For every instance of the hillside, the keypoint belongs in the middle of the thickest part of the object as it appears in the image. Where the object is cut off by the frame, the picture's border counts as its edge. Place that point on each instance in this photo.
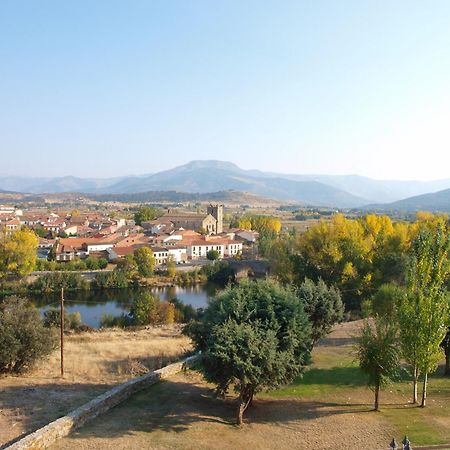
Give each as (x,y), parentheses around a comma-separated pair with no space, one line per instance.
(434,202)
(230,197)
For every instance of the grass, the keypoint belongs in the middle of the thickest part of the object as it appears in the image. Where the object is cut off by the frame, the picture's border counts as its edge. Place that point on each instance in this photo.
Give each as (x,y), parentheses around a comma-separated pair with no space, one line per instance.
(93,362)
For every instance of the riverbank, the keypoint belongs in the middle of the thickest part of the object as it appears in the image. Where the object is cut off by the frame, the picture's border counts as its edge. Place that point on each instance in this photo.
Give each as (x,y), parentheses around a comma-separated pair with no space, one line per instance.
(185,278)
(94,361)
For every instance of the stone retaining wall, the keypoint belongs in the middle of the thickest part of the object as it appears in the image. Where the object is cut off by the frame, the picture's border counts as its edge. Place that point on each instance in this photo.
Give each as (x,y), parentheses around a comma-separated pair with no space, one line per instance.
(46,436)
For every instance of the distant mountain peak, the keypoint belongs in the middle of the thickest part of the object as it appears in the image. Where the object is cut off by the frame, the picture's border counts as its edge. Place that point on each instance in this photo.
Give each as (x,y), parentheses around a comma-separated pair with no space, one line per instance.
(209,164)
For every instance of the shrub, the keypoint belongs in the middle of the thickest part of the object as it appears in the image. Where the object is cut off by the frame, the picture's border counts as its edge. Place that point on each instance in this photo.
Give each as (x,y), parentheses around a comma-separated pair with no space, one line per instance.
(72,321)
(219,272)
(109,321)
(212,255)
(23,337)
(184,313)
(110,280)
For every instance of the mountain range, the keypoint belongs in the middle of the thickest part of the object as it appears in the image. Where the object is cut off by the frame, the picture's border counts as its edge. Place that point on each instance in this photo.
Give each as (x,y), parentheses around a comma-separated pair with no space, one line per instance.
(342,191)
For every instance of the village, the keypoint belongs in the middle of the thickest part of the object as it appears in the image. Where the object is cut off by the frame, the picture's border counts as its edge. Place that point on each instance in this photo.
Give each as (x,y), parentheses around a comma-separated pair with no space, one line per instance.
(185,238)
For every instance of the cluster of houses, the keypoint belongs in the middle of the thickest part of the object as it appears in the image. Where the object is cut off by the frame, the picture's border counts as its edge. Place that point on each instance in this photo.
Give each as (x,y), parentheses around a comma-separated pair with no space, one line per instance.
(10,219)
(180,237)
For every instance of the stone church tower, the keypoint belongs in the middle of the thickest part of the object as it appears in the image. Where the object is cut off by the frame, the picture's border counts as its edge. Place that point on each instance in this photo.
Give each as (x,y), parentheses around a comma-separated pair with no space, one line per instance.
(217,212)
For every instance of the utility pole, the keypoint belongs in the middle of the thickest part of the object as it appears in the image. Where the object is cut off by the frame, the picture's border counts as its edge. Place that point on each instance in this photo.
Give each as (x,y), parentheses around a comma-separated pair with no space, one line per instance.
(62,331)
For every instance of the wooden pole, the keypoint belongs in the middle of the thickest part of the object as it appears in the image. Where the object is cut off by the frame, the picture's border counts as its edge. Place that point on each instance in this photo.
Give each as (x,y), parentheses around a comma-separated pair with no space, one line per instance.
(62,331)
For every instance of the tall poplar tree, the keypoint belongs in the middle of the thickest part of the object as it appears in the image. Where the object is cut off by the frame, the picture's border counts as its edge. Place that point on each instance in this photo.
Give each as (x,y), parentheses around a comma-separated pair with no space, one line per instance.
(424,309)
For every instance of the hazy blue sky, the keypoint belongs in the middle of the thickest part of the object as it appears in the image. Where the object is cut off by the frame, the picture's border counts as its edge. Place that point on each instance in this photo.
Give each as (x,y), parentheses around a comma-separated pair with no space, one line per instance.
(105,88)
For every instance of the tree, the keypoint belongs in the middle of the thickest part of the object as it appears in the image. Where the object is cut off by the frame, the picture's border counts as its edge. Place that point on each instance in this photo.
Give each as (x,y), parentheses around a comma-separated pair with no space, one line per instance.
(145,213)
(323,305)
(212,255)
(145,261)
(355,255)
(171,266)
(23,337)
(378,353)
(424,309)
(386,300)
(253,336)
(18,253)
(166,313)
(128,266)
(445,345)
(145,309)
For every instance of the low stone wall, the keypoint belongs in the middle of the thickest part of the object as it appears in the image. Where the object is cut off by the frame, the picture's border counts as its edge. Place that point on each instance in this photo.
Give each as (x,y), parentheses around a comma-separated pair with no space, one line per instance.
(61,427)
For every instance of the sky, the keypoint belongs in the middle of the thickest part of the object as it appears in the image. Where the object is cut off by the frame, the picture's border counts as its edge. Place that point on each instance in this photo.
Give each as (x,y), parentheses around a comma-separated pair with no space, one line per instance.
(110,88)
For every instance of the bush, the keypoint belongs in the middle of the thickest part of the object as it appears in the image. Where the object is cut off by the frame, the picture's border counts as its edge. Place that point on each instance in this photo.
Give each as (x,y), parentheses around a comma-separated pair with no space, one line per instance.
(110,280)
(109,321)
(212,255)
(192,277)
(72,321)
(23,337)
(150,310)
(184,313)
(219,272)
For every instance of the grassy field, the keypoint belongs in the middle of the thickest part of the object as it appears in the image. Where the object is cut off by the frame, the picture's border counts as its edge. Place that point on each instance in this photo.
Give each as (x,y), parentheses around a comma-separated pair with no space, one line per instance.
(330,407)
(94,361)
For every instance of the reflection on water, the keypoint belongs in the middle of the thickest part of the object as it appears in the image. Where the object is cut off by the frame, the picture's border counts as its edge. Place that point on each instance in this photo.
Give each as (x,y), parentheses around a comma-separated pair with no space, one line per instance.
(93,304)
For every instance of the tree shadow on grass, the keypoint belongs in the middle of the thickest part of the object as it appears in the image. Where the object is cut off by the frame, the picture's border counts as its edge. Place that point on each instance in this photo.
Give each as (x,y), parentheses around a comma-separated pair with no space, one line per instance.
(177,405)
(336,342)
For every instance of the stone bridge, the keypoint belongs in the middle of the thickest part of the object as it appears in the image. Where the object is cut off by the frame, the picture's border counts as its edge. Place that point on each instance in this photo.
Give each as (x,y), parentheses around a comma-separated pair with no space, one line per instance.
(250,268)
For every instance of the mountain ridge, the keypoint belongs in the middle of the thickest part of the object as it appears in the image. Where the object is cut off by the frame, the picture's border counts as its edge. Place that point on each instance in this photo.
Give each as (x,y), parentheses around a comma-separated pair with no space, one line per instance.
(203,176)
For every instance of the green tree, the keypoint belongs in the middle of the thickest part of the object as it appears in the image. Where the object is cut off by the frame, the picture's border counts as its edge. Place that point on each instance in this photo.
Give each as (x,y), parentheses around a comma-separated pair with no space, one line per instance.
(323,305)
(424,309)
(386,300)
(23,337)
(253,336)
(40,231)
(379,355)
(145,261)
(145,213)
(212,255)
(445,345)
(145,309)
(18,254)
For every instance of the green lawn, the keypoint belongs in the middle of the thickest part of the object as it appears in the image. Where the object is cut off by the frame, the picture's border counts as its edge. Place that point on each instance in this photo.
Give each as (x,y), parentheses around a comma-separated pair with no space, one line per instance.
(336,374)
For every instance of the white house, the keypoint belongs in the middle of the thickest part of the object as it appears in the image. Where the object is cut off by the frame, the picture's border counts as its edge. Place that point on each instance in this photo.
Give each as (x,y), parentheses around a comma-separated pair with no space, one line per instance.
(225,247)
(179,254)
(161,254)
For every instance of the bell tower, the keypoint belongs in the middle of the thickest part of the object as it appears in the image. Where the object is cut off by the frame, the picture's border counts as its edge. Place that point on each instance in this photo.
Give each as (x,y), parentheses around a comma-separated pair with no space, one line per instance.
(217,212)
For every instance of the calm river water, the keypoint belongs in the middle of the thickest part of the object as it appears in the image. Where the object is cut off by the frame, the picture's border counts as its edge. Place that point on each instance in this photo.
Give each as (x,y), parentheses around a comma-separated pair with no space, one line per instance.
(93,304)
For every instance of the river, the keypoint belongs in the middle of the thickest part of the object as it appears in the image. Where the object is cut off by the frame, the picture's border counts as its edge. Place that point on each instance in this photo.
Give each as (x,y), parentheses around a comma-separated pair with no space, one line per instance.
(92,305)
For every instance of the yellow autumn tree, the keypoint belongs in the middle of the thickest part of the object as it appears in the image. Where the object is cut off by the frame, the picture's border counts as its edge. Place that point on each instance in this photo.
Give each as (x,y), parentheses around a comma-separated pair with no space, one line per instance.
(18,253)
